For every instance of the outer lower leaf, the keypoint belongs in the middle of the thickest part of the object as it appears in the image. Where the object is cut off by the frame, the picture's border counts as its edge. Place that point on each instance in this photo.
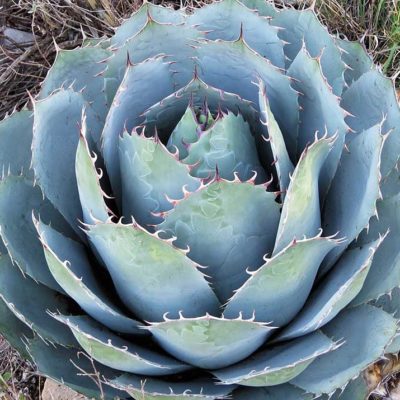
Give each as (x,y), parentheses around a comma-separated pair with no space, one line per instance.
(18,199)
(366,330)
(15,143)
(272,132)
(270,291)
(88,180)
(229,146)
(55,139)
(223,237)
(358,178)
(150,275)
(384,275)
(210,342)
(29,301)
(370,99)
(357,389)
(131,100)
(71,268)
(229,19)
(13,330)
(278,364)
(279,392)
(320,113)
(81,68)
(261,7)
(301,208)
(356,58)
(115,352)
(242,66)
(391,304)
(154,389)
(334,292)
(139,19)
(150,175)
(71,367)
(302,28)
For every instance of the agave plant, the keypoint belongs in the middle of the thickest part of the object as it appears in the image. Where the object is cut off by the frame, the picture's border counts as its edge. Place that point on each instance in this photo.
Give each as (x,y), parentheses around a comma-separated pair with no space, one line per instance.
(205,206)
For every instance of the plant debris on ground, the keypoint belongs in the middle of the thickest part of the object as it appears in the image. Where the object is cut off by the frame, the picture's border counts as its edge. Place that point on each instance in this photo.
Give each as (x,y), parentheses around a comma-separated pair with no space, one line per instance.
(30,30)
(18,379)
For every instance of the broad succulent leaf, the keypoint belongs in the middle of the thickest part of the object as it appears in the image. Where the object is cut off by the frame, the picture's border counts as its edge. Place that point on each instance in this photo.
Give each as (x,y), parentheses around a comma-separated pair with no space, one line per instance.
(16,140)
(128,250)
(205,205)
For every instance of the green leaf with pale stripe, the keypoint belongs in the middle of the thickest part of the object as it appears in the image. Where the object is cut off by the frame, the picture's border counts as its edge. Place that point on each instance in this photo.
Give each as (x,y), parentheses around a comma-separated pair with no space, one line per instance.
(90,192)
(276,141)
(277,364)
(270,291)
(155,389)
(114,352)
(71,268)
(334,292)
(301,208)
(210,342)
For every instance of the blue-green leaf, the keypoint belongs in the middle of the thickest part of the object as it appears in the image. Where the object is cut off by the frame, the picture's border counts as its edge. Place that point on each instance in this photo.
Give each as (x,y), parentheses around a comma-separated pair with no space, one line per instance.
(210,342)
(131,100)
(270,291)
(229,146)
(18,199)
(154,389)
(71,367)
(81,68)
(272,133)
(114,352)
(370,99)
(302,28)
(135,23)
(334,292)
(365,330)
(150,275)
(221,236)
(358,178)
(70,266)
(356,58)
(15,143)
(30,301)
(385,269)
(150,175)
(241,67)
(55,139)
(90,192)
(162,117)
(229,19)
(301,208)
(277,364)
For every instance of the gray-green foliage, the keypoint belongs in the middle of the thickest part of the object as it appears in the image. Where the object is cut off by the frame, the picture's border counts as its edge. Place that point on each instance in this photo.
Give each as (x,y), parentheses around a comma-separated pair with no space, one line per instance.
(206,205)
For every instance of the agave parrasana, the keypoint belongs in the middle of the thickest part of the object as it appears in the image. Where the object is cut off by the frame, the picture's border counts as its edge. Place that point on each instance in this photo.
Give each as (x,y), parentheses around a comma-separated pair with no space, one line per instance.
(245,151)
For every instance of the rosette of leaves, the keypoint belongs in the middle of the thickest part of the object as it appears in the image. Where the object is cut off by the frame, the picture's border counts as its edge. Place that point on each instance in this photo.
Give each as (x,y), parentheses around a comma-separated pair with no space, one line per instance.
(205,206)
